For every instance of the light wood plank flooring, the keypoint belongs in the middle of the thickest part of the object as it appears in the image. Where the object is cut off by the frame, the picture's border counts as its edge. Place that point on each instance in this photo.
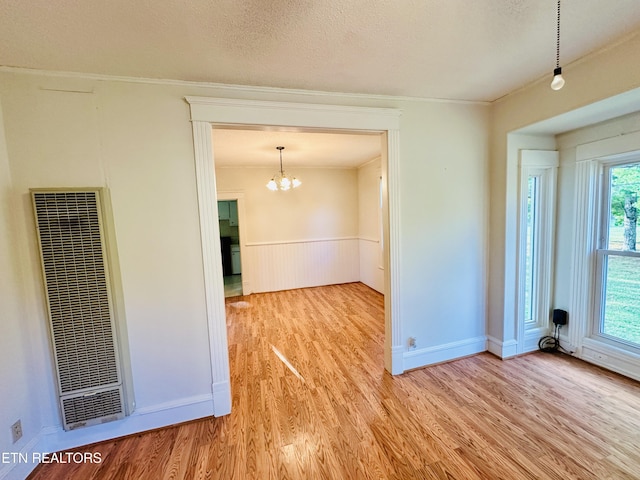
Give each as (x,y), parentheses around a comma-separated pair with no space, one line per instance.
(311,400)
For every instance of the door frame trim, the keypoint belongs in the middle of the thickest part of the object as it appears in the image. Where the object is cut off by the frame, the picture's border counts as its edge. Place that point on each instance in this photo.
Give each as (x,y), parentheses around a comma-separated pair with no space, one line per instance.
(206,113)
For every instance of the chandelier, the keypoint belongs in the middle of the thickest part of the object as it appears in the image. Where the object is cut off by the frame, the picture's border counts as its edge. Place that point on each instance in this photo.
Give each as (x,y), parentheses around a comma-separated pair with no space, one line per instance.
(282,181)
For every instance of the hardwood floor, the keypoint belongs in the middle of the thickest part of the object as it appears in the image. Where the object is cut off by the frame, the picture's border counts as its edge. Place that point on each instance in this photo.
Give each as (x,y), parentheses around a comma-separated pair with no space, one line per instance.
(311,400)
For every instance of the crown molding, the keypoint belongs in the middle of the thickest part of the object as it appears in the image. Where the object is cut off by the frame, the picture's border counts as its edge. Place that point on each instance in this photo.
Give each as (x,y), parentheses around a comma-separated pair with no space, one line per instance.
(232,87)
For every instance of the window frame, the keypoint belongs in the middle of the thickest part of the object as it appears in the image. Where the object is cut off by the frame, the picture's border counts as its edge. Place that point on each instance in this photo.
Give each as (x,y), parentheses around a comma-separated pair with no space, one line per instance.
(543,166)
(603,252)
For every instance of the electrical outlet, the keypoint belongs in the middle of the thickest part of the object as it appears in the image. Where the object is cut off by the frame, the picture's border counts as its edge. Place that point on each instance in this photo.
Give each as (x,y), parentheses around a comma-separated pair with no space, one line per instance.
(412,343)
(16,431)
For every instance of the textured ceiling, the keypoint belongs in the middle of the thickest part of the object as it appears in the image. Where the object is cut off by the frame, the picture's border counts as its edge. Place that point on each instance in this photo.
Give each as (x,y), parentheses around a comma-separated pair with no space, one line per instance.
(454,49)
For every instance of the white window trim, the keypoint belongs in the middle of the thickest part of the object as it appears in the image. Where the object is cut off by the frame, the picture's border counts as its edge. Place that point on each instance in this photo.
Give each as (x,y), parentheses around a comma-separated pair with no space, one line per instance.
(601,251)
(587,201)
(544,166)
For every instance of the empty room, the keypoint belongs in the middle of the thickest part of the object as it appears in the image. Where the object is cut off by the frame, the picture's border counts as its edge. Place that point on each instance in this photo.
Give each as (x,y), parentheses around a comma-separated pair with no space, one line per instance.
(319,239)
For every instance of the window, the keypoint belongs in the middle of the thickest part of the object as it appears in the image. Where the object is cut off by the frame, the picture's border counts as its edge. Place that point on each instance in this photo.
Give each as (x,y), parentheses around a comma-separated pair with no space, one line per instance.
(617,313)
(538,171)
(532,233)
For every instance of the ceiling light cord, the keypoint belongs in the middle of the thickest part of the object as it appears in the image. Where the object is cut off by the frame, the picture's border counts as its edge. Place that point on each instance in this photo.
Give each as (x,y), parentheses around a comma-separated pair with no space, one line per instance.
(558,82)
(558,38)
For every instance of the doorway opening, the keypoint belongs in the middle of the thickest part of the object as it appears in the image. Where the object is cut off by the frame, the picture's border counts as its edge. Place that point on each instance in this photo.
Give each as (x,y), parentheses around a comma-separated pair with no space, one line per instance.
(327,231)
(208,112)
(230,247)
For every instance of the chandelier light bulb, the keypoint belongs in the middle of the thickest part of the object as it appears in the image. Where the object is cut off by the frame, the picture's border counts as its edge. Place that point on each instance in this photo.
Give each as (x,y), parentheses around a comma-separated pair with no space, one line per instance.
(272,185)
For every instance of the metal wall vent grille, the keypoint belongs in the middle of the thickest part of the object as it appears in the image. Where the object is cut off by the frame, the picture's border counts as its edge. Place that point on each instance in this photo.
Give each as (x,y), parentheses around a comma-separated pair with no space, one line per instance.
(77,290)
(84,408)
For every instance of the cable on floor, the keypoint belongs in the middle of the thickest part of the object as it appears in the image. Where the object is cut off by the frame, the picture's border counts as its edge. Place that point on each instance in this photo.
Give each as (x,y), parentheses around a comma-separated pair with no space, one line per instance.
(551,344)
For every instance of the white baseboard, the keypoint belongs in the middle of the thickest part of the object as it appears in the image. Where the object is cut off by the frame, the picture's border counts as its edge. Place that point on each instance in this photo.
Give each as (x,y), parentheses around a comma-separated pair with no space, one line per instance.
(54,438)
(221,398)
(246,286)
(610,357)
(443,353)
(397,360)
(502,349)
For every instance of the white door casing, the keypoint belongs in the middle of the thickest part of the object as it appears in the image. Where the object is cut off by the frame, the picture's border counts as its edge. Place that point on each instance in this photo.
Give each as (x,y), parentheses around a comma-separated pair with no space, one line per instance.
(206,112)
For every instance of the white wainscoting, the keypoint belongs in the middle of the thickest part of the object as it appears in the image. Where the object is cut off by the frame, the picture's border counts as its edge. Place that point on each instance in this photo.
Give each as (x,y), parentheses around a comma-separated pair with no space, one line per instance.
(305,263)
(371,272)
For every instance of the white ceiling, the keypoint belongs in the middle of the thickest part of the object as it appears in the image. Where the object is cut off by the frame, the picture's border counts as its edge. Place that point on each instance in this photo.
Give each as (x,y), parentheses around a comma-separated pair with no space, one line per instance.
(477,50)
(454,49)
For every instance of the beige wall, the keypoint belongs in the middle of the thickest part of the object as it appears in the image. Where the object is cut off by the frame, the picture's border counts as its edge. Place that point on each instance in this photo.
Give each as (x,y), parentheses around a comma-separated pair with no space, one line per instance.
(369,199)
(592,79)
(311,228)
(369,225)
(325,206)
(333,203)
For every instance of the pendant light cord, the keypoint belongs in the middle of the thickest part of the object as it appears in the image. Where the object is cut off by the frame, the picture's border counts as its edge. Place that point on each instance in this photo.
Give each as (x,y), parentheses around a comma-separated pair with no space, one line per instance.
(281,148)
(558,39)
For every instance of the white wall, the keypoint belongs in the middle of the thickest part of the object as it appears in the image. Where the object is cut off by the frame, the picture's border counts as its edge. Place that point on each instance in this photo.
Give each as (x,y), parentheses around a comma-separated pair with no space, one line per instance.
(137,142)
(135,138)
(19,360)
(369,224)
(444,214)
(299,238)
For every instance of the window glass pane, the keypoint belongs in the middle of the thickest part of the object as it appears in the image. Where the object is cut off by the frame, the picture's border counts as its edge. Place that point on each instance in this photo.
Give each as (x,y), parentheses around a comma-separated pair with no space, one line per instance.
(529,294)
(621,317)
(623,211)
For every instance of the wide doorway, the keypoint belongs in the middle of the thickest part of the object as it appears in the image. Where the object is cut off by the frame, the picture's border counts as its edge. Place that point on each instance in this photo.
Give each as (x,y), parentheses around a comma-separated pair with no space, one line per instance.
(207,112)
